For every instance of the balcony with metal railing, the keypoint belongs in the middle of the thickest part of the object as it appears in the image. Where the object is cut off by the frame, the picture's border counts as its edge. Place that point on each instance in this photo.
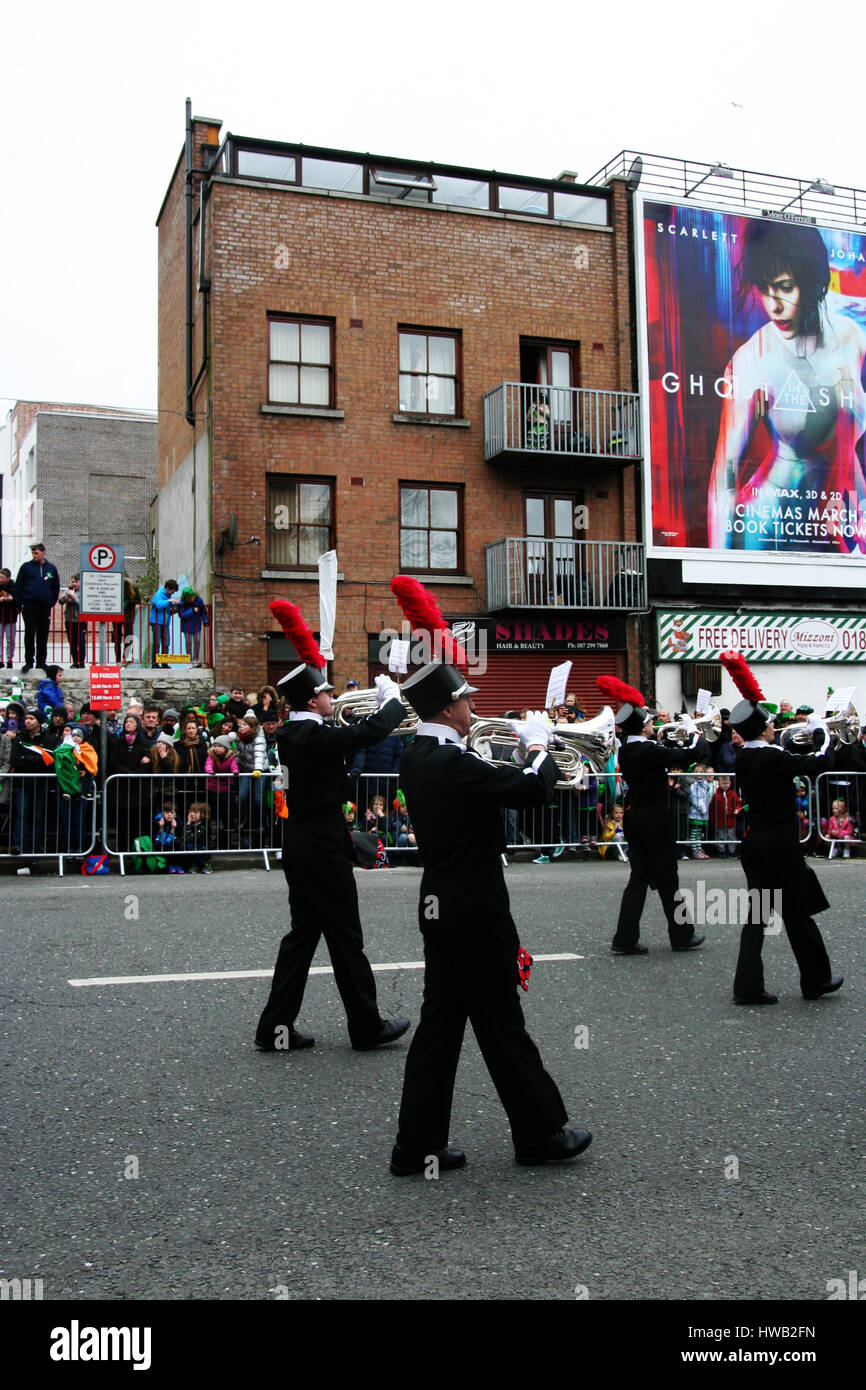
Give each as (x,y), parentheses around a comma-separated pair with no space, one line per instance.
(537,572)
(568,421)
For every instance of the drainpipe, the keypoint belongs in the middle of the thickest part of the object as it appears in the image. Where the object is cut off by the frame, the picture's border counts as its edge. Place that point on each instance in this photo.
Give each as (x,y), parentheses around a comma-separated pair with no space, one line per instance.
(188,168)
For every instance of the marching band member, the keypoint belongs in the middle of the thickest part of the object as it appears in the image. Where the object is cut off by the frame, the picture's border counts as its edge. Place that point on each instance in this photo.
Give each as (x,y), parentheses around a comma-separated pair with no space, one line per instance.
(652,848)
(472,951)
(772,856)
(316,851)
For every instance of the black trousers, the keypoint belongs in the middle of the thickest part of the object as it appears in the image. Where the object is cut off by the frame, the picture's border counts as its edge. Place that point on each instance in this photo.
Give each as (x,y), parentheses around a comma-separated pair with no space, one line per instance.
(77,634)
(37,621)
(471,976)
(765,867)
(324,902)
(653,864)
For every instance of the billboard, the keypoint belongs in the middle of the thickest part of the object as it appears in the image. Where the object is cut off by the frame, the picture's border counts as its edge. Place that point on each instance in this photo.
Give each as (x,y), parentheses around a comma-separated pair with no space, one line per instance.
(755,366)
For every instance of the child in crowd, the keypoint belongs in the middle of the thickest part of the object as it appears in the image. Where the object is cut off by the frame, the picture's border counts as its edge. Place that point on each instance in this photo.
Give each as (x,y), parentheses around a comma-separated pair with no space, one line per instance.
(222,768)
(614,833)
(377,818)
(725,807)
(199,834)
(678,799)
(841,828)
(167,836)
(801,806)
(48,692)
(700,797)
(401,831)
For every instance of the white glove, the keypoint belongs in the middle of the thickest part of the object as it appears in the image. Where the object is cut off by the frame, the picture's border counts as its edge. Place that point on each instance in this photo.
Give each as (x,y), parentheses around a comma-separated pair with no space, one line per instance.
(688,723)
(386,690)
(814,725)
(536,728)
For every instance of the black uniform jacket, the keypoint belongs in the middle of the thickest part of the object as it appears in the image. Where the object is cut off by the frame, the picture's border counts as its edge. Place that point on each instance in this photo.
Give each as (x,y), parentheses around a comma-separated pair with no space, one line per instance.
(314,754)
(765,777)
(644,765)
(454,799)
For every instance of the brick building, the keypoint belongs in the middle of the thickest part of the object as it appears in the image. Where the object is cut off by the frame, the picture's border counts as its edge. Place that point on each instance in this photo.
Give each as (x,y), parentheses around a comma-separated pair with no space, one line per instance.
(93,468)
(429,369)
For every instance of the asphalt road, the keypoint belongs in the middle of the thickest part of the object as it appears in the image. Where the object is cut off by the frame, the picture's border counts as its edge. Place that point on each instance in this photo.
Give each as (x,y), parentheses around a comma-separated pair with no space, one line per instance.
(150,1153)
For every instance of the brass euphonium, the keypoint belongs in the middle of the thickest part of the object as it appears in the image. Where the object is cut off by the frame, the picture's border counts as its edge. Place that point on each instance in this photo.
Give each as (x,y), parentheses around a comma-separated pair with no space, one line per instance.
(593,740)
(677,735)
(842,728)
(364,702)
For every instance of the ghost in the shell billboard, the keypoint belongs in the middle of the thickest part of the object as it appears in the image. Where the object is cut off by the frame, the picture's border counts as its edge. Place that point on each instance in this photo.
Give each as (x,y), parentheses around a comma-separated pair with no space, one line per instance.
(756,365)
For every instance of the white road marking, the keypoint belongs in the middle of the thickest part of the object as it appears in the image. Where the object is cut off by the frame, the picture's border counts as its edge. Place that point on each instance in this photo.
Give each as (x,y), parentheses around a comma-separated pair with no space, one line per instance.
(264,974)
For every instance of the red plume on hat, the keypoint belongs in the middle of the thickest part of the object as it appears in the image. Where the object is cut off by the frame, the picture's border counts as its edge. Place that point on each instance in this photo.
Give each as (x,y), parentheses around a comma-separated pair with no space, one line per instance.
(618,692)
(423,612)
(291,620)
(738,669)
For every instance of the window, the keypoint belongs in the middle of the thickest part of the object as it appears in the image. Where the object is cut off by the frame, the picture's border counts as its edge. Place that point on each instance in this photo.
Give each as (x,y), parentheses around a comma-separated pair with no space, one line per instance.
(431,528)
(300,521)
(556,567)
(301,364)
(461,193)
(429,372)
(330,173)
(258,164)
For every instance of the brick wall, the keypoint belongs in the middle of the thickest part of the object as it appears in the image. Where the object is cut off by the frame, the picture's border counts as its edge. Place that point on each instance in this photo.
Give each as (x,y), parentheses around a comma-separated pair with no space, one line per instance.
(96,477)
(493,280)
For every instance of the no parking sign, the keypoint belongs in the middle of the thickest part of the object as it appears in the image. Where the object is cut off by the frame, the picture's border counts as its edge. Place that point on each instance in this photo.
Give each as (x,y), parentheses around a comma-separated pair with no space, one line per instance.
(101,570)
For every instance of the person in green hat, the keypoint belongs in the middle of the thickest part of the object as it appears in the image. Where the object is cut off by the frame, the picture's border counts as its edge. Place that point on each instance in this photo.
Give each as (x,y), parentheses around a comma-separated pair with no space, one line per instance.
(193,617)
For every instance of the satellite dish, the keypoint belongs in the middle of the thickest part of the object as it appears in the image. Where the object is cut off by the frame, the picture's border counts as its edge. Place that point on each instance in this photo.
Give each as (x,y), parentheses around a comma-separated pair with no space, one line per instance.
(228,535)
(633,176)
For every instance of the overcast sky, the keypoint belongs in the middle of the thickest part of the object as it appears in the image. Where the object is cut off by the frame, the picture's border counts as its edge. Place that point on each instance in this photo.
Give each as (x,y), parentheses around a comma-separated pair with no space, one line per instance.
(92,103)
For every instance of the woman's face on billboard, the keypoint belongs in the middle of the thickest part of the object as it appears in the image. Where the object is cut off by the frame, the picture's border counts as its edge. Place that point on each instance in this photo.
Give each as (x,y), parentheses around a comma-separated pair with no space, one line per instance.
(781,301)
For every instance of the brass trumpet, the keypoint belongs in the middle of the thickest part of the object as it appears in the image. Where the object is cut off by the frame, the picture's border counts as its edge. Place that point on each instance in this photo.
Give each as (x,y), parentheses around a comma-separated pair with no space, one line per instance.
(364,702)
(593,740)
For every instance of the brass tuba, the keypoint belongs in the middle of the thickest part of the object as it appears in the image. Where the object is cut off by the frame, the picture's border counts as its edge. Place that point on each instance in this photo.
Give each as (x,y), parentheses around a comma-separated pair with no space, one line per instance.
(364,702)
(570,744)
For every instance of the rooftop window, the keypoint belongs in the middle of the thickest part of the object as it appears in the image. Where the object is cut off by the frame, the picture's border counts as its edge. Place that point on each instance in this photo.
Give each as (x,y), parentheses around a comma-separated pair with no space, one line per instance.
(450,186)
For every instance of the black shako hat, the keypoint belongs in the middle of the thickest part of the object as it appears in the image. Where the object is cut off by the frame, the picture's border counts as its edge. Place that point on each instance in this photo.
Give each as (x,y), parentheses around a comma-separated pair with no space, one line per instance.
(434,688)
(303,684)
(631,719)
(749,719)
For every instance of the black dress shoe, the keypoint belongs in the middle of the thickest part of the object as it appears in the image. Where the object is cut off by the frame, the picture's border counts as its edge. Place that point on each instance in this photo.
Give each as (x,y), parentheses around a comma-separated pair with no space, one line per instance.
(568,1143)
(391,1030)
(697,940)
(834,983)
(762,998)
(296,1041)
(404,1162)
(629,950)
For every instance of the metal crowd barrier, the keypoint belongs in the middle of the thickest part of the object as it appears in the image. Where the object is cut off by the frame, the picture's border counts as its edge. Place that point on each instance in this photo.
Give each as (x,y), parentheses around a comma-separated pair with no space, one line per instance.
(849,788)
(364,789)
(580,820)
(137,642)
(185,823)
(38,822)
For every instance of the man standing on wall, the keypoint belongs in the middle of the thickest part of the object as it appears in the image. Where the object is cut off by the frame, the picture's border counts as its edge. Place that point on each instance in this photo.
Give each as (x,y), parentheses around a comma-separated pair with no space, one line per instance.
(37,588)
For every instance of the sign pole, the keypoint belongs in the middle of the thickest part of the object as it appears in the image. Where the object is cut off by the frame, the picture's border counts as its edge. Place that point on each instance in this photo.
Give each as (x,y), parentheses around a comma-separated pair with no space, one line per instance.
(103,718)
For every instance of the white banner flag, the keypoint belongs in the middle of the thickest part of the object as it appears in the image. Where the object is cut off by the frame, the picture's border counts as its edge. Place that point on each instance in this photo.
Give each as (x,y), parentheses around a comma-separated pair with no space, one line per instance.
(327,602)
(398,656)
